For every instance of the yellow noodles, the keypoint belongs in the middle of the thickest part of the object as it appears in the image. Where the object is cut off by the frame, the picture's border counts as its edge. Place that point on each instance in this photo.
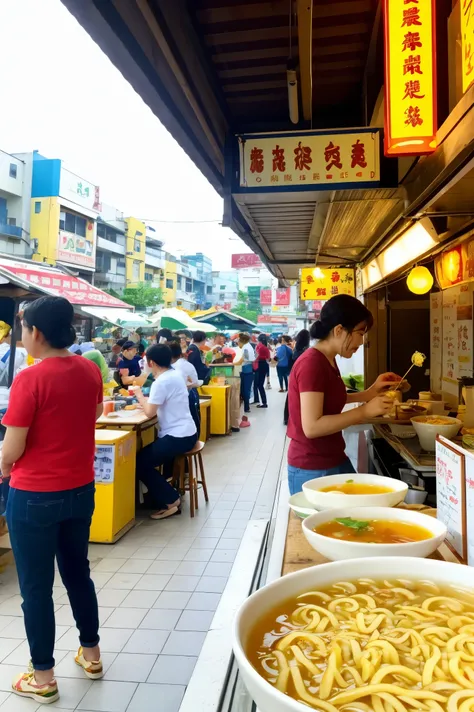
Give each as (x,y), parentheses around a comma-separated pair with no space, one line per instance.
(368,646)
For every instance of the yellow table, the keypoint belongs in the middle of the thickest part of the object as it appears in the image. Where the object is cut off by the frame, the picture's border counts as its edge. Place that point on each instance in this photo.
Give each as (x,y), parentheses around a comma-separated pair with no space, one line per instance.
(114,468)
(204,409)
(135,420)
(220,410)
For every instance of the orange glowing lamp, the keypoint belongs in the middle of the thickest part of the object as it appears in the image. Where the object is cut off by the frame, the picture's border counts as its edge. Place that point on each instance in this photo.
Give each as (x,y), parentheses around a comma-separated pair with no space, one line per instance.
(410,77)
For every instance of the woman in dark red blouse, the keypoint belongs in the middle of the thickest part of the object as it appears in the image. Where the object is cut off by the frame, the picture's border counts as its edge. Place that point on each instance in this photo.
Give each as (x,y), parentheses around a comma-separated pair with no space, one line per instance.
(263,370)
(317,394)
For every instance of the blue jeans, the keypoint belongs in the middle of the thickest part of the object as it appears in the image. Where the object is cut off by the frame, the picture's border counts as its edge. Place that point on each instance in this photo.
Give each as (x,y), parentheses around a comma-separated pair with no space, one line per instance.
(297,477)
(283,373)
(44,526)
(162,451)
(246,382)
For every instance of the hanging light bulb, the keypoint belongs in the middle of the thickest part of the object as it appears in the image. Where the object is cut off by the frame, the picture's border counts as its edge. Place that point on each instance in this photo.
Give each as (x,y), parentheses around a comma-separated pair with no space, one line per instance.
(420,280)
(318,273)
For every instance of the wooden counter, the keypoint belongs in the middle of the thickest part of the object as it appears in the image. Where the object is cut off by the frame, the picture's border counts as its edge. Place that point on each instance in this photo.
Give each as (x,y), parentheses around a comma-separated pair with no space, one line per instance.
(136,420)
(130,417)
(300,555)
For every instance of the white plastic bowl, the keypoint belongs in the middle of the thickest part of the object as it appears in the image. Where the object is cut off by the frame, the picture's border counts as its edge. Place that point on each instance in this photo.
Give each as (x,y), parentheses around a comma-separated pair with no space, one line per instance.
(300,505)
(331,500)
(427,432)
(337,549)
(266,696)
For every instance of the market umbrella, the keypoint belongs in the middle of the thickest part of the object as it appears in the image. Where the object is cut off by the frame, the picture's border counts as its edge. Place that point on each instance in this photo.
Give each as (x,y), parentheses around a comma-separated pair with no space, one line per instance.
(174,319)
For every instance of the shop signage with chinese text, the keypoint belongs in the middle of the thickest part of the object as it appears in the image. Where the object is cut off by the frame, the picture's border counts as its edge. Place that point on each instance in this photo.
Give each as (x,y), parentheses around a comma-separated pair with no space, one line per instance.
(79,191)
(266,297)
(467,43)
(410,77)
(76,250)
(282,297)
(455,265)
(335,281)
(311,160)
(246,260)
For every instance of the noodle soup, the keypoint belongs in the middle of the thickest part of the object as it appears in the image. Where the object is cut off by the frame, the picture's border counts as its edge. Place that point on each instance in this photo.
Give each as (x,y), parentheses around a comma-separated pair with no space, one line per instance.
(351,487)
(388,646)
(373,531)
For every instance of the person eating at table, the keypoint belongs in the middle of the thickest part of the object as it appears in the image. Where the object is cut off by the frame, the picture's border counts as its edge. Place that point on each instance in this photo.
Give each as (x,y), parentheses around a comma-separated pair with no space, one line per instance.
(177,430)
(128,365)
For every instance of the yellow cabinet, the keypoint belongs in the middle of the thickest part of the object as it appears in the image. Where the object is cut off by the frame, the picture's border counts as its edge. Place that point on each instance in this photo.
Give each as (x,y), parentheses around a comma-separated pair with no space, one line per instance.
(220,408)
(114,511)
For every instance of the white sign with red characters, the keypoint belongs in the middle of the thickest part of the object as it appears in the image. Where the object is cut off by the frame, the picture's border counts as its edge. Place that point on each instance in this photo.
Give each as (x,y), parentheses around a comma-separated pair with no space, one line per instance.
(294,161)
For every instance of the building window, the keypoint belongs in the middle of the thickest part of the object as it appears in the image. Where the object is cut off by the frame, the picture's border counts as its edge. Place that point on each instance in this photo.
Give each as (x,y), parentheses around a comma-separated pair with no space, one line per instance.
(37,206)
(178,281)
(136,271)
(169,284)
(12,221)
(148,277)
(81,225)
(72,223)
(13,170)
(189,285)
(137,246)
(222,287)
(209,290)
(221,297)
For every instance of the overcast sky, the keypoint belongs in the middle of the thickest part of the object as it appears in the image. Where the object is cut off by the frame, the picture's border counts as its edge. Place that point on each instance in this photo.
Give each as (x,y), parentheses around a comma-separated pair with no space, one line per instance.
(62,96)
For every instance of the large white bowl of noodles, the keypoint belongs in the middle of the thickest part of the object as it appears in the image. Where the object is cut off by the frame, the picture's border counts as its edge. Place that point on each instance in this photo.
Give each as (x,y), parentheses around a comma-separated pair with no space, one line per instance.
(337,549)
(443,639)
(330,500)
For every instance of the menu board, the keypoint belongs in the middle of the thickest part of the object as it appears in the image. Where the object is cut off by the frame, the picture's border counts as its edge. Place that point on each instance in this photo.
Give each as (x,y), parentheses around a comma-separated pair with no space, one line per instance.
(469,490)
(436,339)
(450,495)
(456,335)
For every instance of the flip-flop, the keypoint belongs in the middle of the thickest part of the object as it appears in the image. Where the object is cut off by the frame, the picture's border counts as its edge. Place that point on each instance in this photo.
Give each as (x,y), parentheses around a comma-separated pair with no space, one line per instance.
(166,513)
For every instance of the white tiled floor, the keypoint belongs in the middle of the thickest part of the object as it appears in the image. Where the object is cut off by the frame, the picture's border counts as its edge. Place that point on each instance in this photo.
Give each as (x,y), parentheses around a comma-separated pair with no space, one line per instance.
(158,587)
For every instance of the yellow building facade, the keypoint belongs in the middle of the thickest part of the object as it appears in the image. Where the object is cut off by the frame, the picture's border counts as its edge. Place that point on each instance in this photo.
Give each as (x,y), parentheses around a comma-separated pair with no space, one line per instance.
(135,236)
(168,283)
(44,227)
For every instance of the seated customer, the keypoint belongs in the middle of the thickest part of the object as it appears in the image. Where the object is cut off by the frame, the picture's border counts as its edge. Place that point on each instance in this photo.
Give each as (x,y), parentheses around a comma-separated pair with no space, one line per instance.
(181,365)
(177,431)
(128,365)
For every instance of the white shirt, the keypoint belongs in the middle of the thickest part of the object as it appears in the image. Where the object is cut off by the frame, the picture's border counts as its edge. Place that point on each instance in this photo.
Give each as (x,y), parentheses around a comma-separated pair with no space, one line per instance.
(21,355)
(248,354)
(186,369)
(169,392)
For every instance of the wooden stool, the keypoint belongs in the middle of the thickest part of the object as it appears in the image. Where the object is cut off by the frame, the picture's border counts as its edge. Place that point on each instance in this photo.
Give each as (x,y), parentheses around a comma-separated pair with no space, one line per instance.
(196,475)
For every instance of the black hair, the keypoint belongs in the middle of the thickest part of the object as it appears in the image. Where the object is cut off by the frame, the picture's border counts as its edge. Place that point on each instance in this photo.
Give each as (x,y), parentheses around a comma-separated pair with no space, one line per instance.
(175,349)
(286,338)
(199,337)
(164,334)
(302,340)
(344,310)
(184,332)
(263,339)
(52,316)
(129,345)
(159,354)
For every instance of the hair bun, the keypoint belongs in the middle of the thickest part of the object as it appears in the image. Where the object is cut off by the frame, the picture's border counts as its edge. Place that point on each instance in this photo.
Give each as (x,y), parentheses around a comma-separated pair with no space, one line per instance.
(318,330)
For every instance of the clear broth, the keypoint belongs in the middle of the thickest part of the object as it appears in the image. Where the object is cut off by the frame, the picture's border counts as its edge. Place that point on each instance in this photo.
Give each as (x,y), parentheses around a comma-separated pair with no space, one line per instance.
(379,531)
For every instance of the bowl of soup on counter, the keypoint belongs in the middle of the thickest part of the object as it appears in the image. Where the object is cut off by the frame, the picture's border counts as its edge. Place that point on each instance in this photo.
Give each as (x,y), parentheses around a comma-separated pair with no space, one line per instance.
(354,490)
(385,633)
(373,531)
(427,427)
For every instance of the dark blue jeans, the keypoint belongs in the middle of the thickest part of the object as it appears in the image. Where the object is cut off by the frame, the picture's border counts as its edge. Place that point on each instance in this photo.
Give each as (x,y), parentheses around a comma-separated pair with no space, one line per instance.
(283,372)
(246,382)
(162,451)
(44,526)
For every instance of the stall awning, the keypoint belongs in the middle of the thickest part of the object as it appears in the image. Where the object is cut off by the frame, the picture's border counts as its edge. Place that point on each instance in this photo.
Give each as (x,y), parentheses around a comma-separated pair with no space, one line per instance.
(118,317)
(50,280)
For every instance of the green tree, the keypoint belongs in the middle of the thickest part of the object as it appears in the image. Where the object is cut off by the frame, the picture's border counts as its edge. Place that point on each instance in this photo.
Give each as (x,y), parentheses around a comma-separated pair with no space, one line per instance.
(142,296)
(242,307)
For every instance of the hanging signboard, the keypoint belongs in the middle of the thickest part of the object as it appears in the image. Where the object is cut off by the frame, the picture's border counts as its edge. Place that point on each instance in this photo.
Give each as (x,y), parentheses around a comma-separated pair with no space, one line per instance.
(467,43)
(282,297)
(315,160)
(334,281)
(244,260)
(266,297)
(410,77)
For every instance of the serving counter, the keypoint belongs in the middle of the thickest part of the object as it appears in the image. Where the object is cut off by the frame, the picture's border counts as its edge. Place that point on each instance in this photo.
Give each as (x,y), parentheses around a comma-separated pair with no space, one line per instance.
(136,420)
(220,407)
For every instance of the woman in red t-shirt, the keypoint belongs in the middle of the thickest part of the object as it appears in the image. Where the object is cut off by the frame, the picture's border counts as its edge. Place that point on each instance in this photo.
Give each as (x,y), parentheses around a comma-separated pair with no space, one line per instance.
(317,394)
(48,453)
(262,370)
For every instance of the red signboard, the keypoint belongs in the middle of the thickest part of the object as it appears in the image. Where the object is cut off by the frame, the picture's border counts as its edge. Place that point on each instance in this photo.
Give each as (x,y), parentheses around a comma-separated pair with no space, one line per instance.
(410,77)
(246,260)
(266,297)
(266,319)
(58,284)
(282,297)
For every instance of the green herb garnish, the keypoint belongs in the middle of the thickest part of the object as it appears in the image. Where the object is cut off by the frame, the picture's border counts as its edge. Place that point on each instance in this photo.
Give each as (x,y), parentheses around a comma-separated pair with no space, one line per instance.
(353,523)
(349,482)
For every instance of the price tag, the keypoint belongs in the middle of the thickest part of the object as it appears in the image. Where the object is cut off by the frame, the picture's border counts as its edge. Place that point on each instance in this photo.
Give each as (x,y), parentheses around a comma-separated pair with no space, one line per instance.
(450,495)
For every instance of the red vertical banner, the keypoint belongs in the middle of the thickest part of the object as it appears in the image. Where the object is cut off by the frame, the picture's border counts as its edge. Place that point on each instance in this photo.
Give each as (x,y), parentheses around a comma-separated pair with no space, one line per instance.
(282,297)
(410,77)
(266,297)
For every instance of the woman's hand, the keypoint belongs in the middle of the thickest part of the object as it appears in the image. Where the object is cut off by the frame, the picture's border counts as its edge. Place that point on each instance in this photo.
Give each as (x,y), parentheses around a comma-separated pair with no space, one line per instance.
(384,383)
(378,406)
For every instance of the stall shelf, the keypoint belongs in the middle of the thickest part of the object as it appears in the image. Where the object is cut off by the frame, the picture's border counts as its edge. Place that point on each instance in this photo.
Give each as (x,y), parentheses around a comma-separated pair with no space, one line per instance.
(114,468)
(137,421)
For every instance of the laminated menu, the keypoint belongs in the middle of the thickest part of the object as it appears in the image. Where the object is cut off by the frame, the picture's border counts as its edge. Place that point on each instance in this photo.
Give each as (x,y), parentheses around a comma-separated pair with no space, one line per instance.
(450,495)
(469,489)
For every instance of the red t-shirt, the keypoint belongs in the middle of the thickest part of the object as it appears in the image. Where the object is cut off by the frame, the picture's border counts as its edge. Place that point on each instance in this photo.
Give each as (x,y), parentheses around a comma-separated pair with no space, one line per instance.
(56,399)
(263,352)
(312,372)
